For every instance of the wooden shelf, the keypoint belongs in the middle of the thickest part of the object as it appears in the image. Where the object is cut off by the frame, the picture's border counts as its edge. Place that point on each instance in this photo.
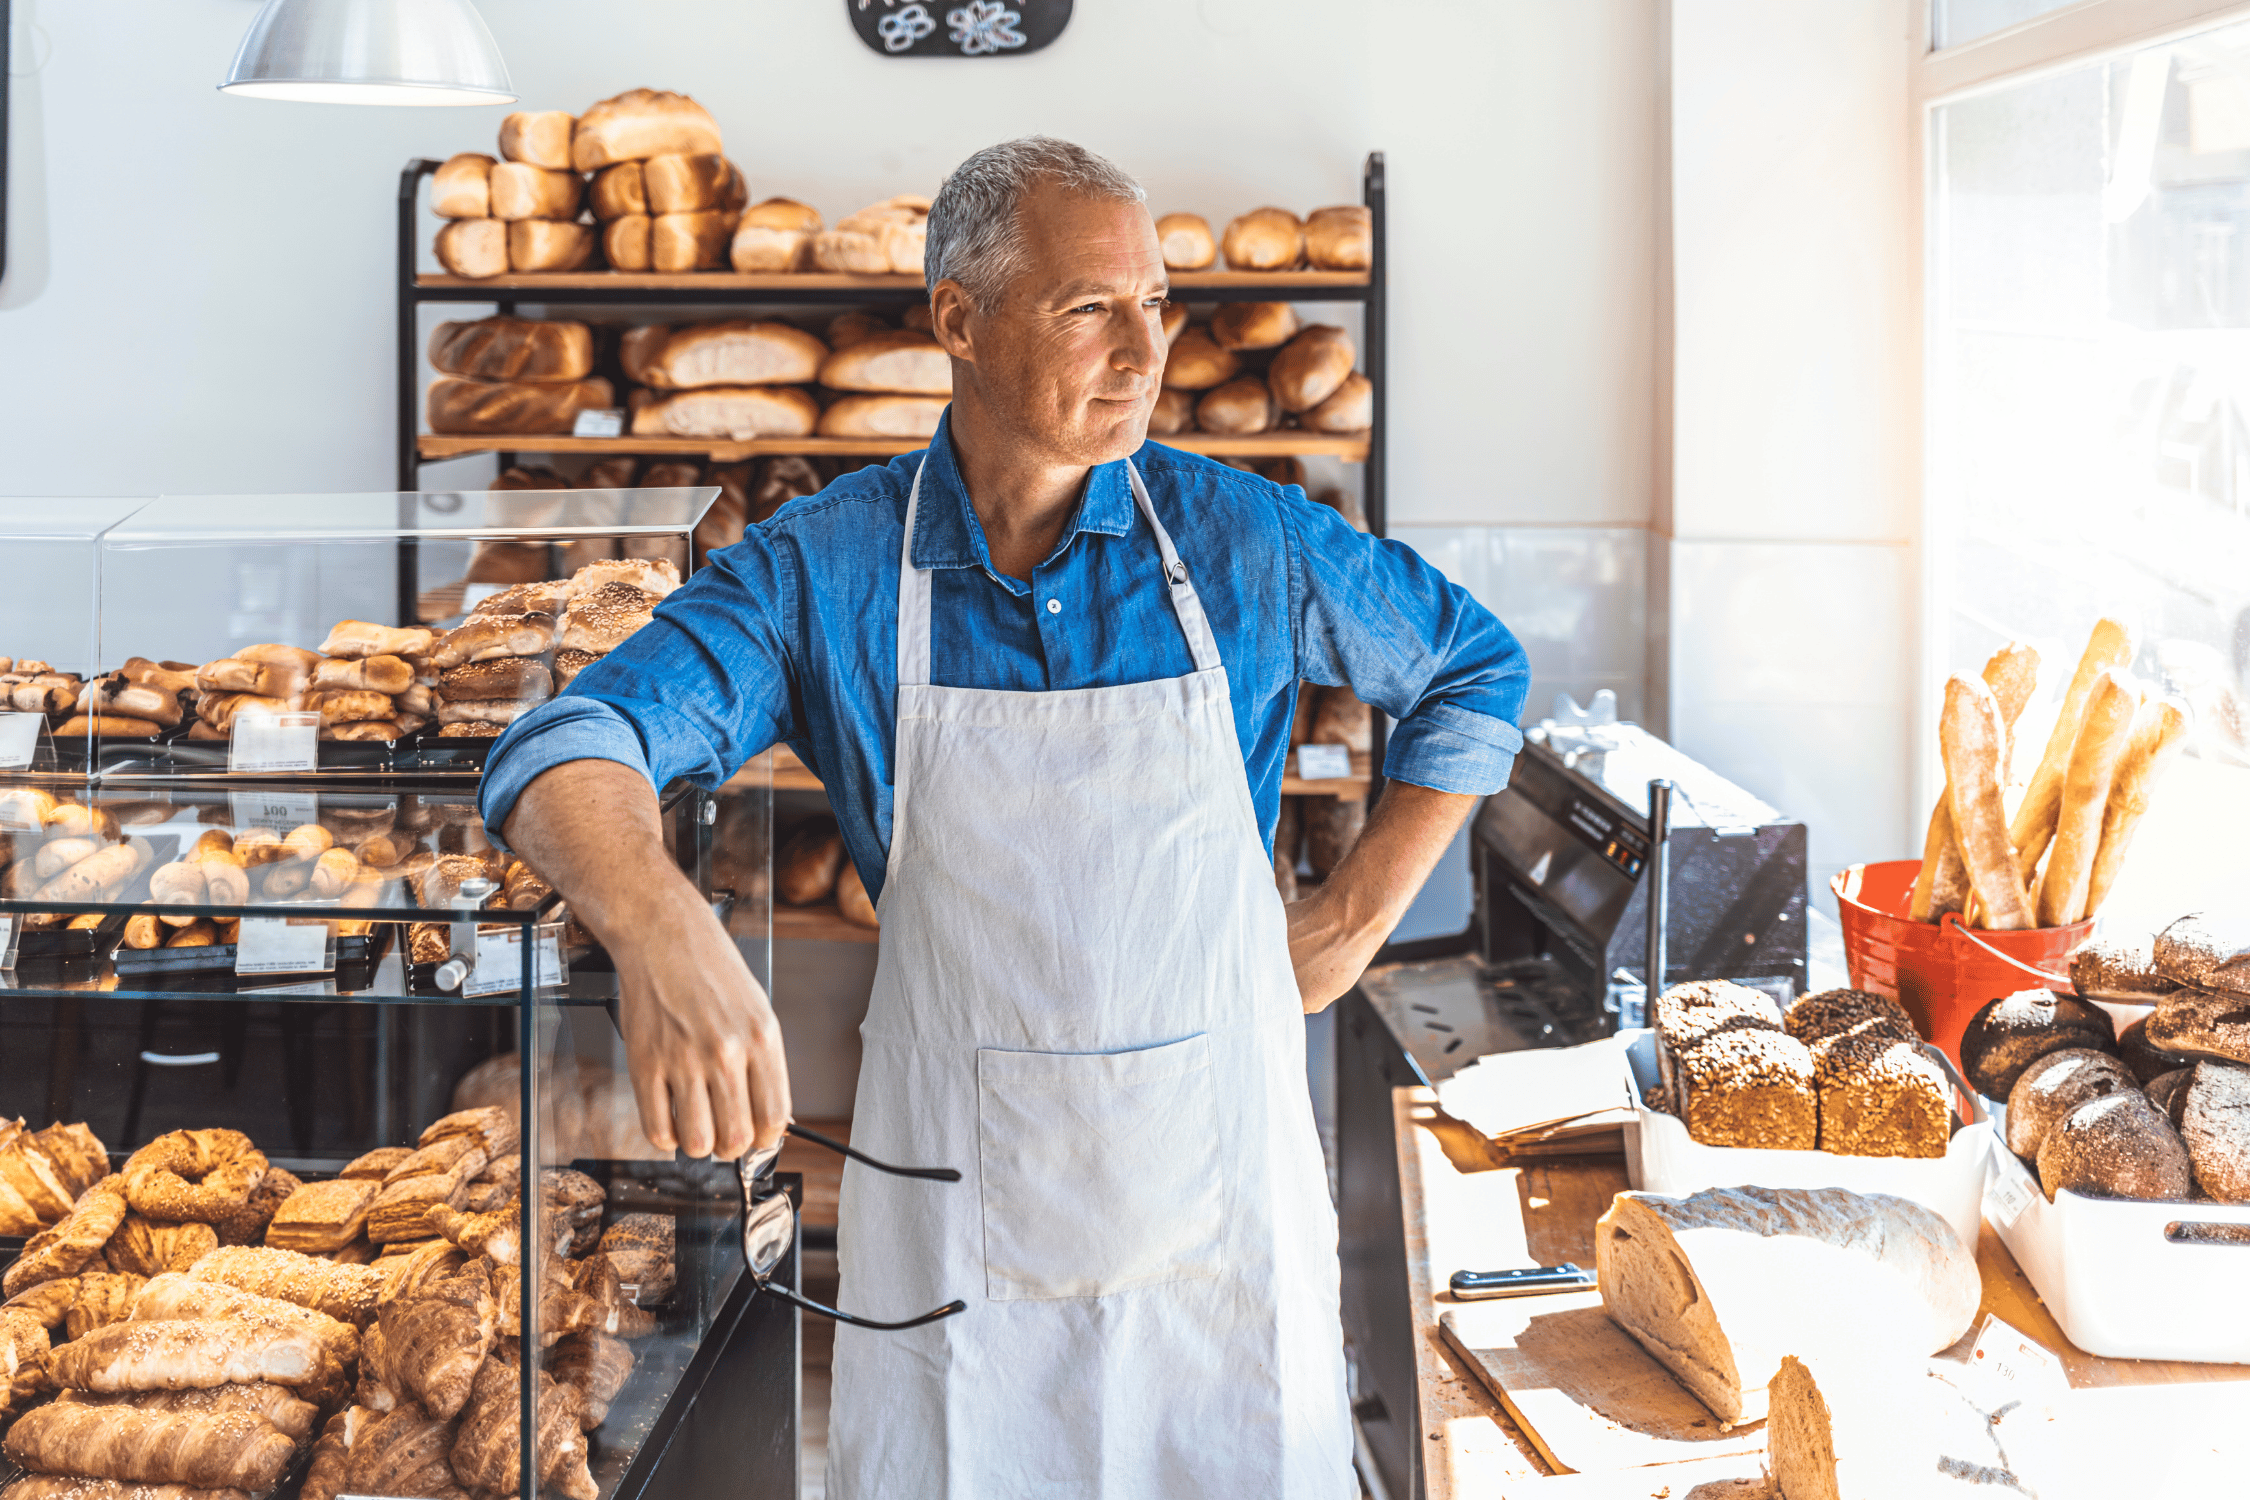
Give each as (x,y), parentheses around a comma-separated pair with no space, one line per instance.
(1351,448)
(792,775)
(1352,788)
(722,282)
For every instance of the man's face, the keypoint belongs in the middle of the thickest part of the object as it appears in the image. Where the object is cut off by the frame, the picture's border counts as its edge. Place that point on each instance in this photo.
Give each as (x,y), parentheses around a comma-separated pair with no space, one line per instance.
(1070,359)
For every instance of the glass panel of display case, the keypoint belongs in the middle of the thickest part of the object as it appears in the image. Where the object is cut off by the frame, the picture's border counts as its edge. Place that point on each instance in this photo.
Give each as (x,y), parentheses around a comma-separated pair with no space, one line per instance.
(50,577)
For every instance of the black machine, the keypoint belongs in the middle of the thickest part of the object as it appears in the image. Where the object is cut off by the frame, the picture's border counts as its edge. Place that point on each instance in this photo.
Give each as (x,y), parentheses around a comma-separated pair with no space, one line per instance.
(1563,872)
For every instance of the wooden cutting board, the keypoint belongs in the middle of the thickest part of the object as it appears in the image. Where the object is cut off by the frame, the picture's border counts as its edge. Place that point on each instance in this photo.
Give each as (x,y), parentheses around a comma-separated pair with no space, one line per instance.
(1590,1399)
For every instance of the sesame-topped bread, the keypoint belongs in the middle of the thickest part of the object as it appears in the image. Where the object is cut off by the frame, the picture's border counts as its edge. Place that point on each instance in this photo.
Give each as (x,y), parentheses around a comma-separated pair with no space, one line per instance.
(1880,1095)
(1813,1019)
(1748,1087)
(1686,1014)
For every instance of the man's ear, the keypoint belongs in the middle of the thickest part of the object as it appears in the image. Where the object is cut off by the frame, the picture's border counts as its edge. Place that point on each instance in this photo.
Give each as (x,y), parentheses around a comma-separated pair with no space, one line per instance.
(949,319)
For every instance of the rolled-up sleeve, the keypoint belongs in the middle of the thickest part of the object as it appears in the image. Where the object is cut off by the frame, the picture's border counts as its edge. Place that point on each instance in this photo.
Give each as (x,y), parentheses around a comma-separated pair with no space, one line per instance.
(695,693)
(1371,614)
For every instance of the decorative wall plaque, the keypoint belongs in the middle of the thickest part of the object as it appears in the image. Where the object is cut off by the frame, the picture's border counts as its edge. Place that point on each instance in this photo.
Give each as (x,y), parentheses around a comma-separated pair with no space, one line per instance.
(958,28)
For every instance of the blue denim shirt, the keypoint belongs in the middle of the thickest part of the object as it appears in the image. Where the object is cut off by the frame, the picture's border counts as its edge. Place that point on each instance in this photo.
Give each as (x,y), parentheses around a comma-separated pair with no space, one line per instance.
(791,635)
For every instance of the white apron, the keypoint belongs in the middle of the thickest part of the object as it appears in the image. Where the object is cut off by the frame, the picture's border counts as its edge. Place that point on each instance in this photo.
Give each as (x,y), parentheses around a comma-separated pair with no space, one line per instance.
(1084,1001)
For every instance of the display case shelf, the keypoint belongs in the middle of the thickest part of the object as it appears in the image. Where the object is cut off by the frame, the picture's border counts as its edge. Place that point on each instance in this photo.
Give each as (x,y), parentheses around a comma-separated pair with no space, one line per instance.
(1349,447)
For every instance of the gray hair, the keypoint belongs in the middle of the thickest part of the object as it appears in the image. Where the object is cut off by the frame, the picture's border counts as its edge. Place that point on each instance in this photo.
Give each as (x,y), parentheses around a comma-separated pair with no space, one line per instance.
(973,236)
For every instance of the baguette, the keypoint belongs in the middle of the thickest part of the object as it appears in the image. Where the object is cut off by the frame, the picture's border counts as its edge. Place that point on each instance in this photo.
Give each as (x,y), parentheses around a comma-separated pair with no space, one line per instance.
(2104,731)
(2012,672)
(1970,736)
(2110,645)
(2158,733)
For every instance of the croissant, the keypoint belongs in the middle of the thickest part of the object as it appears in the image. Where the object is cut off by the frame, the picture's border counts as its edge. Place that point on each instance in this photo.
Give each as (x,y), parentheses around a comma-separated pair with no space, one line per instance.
(495,1235)
(595,1278)
(104,1297)
(331,1455)
(247,1225)
(491,1124)
(436,1340)
(178,1296)
(405,1272)
(144,1247)
(403,1452)
(49,1302)
(562,1307)
(32,1174)
(229,1450)
(597,1365)
(644,1249)
(79,1487)
(65,1249)
(488,1454)
(77,1153)
(177,1353)
(374,1391)
(277,1404)
(345,1293)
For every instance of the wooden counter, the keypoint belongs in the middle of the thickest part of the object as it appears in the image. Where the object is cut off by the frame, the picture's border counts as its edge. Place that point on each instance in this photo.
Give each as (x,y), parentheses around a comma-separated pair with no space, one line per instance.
(1461,1210)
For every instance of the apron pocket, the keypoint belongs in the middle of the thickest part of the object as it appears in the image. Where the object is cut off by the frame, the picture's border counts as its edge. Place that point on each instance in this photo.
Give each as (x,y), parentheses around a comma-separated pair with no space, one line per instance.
(1100,1169)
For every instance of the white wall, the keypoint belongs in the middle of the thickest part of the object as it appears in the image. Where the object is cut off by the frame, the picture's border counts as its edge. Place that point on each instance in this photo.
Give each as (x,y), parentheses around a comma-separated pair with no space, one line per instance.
(198,290)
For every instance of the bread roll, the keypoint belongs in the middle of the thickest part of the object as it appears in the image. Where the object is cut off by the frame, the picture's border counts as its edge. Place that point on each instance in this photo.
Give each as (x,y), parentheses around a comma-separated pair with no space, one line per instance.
(538,138)
(600,621)
(806,865)
(481,711)
(1312,367)
(1186,242)
(372,674)
(1242,405)
(107,727)
(461,189)
(1340,238)
(618,191)
(883,417)
(628,242)
(1253,325)
(731,411)
(483,637)
(638,124)
(513,349)
(691,241)
(488,406)
(1350,409)
(2114,1145)
(2010,1034)
(686,184)
(758,248)
(360,638)
(783,213)
(474,248)
(523,192)
(852,903)
(1175,321)
(658,576)
(548,245)
(2054,1085)
(898,361)
(1265,239)
(1197,363)
(740,351)
(1174,413)
(885,237)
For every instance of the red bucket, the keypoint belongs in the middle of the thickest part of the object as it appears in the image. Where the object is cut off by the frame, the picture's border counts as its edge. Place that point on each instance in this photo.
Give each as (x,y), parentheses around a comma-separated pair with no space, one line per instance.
(1941,974)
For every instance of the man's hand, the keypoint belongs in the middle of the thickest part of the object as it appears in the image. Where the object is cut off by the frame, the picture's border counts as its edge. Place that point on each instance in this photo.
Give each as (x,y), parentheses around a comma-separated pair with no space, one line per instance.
(1337,929)
(700,1035)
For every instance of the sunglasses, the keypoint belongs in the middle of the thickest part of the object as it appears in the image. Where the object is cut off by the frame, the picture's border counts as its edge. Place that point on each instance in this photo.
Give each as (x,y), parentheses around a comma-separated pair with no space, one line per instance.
(769,1225)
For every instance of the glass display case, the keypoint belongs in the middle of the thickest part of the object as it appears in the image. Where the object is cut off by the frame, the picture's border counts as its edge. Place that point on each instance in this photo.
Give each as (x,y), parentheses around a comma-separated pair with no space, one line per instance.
(305,1034)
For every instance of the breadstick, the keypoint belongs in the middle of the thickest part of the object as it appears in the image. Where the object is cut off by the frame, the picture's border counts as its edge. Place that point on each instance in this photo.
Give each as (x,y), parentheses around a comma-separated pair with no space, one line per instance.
(2111,645)
(2103,732)
(1970,737)
(2158,732)
(2012,672)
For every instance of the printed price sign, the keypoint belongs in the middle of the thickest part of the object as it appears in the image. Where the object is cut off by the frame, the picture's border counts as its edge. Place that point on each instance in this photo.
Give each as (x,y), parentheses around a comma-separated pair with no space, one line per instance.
(499,967)
(599,422)
(274,742)
(19,739)
(1323,762)
(8,921)
(2013,1367)
(2010,1190)
(282,945)
(279,811)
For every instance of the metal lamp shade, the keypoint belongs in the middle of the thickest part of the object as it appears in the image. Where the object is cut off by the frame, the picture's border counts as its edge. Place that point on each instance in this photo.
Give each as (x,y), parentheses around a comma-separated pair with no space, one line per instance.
(370,52)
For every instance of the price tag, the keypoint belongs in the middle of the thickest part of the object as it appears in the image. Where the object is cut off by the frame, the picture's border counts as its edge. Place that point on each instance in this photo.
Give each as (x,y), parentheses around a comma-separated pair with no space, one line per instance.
(302,987)
(607,421)
(8,920)
(279,811)
(282,945)
(19,738)
(499,967)
(1323,762)
(2009,1192)
(274,742)
(2012,1367)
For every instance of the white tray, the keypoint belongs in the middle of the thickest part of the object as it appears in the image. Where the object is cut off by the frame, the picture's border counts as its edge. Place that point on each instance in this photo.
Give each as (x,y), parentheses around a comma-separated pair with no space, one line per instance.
(2110,1272)
(1666,1159)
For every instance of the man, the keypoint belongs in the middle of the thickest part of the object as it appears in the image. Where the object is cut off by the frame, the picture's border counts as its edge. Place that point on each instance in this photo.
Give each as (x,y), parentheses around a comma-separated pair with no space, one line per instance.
(1047,675)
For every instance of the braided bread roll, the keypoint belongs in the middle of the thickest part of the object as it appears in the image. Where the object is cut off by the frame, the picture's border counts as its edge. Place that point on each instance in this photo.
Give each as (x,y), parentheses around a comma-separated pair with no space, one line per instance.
(175,1354)
(231,1450)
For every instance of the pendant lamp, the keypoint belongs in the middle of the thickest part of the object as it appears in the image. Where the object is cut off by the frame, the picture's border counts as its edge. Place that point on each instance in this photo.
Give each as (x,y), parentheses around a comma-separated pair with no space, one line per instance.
(370,52)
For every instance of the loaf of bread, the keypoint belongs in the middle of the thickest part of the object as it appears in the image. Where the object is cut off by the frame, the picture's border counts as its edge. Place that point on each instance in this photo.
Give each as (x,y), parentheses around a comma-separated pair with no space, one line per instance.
(806,864)
(600,621)
(1312,367)
(1186,242)
(776,235)
(1828,1014)
(1880,1095)
(526,192)
(2120,969)
(508,406)
(882,417)
(1265,239)
(1196,363)
(641,123)
(2205,951)
(1854,1420)
(739,351)
(897,360)
(1254,325)
(1718,1286)
(514,349)
(1174,413)
(461,188)
(2008,1035)
(548,245)
(690,241)
(628,242)
(538,138)
(618,191)
(1686,1015)
(692,183)
(483,637)
(883,238)
(2201,1024)
(1241,406)
(1340,238)
(1350,409)
(2114,1145)
(729,411)
(474,248)
(523,679)
(1752,1088)
(2054,1085)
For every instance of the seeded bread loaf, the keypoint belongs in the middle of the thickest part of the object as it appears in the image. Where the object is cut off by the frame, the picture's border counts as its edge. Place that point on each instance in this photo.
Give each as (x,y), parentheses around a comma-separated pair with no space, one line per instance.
(1686,1014)
(1880,1095)
(1749,1088)
(1826,1014)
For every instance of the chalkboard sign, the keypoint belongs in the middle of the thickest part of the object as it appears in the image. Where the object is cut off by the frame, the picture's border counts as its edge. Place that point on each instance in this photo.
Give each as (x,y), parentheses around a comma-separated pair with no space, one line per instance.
(958,28)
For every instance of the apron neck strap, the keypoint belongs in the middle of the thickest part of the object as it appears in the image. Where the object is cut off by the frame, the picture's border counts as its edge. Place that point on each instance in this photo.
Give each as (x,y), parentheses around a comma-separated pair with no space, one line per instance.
(914,590)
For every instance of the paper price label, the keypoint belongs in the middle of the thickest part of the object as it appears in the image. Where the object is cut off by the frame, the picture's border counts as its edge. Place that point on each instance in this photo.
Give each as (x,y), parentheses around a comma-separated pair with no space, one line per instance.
(302,987)
(281,945)
(19,739)
(8,920)
(2013,1367)
(2009,1192)
(1323,762)
(605,421)
(279,811)
(274,742)
(499,967)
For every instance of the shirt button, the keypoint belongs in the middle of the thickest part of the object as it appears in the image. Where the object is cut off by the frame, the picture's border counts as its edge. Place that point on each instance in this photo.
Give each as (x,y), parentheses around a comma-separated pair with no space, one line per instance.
(1054,606)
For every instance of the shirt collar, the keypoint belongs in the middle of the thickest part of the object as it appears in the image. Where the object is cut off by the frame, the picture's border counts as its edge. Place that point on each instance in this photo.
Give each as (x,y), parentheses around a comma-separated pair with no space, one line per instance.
(947,533)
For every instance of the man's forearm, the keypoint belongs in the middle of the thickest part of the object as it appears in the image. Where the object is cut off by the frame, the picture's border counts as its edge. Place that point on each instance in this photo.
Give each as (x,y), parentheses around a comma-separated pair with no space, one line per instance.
(1334,932)
(592,829)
